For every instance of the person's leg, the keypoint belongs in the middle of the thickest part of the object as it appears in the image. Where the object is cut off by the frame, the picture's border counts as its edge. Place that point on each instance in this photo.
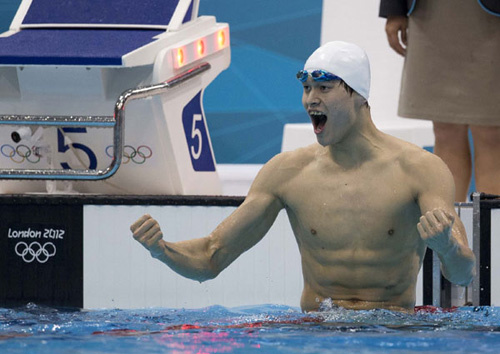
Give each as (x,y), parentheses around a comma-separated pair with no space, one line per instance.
(452,146)
(487,158)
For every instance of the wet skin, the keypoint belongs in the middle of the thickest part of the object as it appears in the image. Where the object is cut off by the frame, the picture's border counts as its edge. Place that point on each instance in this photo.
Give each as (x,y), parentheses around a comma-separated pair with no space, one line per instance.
(363,208)
(357,236)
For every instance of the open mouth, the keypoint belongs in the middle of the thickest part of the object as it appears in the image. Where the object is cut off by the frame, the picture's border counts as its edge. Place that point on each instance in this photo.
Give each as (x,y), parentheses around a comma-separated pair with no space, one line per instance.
(318,120)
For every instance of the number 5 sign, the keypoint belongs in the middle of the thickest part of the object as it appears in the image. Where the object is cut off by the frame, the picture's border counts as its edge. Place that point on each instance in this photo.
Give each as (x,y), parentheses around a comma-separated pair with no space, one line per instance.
(195,130)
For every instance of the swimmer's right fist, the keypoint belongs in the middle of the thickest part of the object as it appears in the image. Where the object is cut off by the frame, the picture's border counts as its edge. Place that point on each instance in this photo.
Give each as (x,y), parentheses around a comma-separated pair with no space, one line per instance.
(147,232)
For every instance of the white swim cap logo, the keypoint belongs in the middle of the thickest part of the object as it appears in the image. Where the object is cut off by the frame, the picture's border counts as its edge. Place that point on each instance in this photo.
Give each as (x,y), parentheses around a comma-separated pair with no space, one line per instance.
(35,251)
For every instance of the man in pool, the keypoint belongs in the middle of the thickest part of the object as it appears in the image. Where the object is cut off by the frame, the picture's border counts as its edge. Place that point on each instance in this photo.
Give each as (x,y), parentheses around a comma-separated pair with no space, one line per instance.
(363,205)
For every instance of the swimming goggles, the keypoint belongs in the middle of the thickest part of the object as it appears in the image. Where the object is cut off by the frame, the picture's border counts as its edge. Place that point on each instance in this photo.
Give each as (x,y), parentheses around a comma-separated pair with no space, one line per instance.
(317,75)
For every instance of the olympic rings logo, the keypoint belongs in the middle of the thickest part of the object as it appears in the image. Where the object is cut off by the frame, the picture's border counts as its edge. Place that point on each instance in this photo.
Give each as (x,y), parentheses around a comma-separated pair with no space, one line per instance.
(137,156)
(35,251)
(20,153)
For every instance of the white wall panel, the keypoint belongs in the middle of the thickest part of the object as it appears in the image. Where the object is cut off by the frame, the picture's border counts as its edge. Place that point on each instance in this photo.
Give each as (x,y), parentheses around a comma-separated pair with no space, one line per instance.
(119,272)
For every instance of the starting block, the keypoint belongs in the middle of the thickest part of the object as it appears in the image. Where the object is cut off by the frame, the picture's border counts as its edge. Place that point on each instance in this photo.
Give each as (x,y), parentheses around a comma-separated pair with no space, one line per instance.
(107,97)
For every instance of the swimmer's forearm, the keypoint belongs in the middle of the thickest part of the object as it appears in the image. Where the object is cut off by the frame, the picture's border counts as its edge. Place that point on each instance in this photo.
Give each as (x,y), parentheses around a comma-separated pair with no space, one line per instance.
(192,259)
(458,265)
(204,258)
(446,236)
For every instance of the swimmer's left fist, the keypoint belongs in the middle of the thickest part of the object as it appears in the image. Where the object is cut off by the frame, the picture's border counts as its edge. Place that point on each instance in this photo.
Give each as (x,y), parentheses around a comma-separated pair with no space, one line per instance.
(147,232)
(435,229)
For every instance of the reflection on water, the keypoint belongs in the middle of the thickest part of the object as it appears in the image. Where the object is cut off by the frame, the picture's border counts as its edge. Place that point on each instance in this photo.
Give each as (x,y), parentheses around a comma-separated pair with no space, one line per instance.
(270,328)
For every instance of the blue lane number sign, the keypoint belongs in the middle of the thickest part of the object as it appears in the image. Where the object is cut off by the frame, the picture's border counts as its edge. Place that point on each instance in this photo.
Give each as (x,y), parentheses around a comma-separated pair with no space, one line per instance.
(62,147)
(196,136)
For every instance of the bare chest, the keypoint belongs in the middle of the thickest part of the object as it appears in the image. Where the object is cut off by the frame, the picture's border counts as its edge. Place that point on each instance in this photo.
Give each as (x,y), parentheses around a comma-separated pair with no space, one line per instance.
(365,208)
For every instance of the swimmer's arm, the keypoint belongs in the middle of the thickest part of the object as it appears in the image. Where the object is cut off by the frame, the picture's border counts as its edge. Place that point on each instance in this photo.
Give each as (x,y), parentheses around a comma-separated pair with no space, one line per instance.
(440,227)
(204,258)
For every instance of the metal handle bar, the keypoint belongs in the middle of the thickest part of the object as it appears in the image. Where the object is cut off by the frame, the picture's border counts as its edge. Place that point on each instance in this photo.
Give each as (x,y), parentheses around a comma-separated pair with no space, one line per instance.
(117,122)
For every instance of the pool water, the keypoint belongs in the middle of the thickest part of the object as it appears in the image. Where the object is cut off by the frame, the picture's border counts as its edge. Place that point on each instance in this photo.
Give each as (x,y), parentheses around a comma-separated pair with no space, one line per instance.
(264,329)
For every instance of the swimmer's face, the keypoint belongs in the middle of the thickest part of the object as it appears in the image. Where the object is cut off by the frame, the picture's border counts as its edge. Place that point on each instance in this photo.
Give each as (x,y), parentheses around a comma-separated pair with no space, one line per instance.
(331,109)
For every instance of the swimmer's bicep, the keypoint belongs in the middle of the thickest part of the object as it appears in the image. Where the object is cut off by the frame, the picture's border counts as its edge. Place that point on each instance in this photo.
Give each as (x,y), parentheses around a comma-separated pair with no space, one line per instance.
(244,228)
(249,223)
(435,187)
(437,191)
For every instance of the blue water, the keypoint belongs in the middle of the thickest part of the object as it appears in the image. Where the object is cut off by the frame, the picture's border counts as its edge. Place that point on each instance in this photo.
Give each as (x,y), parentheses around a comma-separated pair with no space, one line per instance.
(264,329)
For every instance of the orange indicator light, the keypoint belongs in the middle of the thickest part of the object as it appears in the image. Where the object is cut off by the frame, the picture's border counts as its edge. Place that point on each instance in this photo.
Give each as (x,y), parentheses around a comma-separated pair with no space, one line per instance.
(201,48)
(221,38)
(180,56)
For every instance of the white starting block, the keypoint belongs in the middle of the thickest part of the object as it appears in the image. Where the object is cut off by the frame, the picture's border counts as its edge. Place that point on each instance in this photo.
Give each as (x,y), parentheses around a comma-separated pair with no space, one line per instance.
(68,70)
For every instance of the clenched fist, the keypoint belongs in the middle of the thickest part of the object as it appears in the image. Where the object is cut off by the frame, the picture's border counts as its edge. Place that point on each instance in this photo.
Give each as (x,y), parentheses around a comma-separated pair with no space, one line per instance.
(435,229)
(147,232)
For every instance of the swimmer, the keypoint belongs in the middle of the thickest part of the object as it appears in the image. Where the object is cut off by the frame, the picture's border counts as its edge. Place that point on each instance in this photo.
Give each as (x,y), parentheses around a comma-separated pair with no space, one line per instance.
(363,205)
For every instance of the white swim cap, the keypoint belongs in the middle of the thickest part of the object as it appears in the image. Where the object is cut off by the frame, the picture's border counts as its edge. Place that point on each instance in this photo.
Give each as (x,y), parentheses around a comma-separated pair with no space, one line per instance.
(346,60)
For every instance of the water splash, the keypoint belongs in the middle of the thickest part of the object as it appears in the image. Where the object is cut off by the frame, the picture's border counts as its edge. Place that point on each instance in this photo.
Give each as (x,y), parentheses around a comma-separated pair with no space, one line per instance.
(268,328)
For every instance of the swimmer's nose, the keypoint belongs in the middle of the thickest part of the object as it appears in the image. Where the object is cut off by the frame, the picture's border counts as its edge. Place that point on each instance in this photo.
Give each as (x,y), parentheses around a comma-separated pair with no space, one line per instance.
(312,100)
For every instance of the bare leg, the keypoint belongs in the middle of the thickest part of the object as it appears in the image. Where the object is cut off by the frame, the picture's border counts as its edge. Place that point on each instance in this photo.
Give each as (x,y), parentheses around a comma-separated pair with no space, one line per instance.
(452,146)
(487,158)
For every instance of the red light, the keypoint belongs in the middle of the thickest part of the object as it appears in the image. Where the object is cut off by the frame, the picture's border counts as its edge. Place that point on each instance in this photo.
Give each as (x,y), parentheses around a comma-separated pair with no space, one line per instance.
(221,38)
(180,56)
(201,48)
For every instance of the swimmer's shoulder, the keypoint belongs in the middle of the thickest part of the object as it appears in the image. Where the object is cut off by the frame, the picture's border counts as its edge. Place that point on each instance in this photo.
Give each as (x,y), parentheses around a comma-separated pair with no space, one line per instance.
(295,160)
(418,163)
(286,165)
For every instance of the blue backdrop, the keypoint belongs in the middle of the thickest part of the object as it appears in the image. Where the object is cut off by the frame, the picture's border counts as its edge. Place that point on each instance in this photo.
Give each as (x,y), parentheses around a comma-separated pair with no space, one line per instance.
(8,9)
(248,104)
